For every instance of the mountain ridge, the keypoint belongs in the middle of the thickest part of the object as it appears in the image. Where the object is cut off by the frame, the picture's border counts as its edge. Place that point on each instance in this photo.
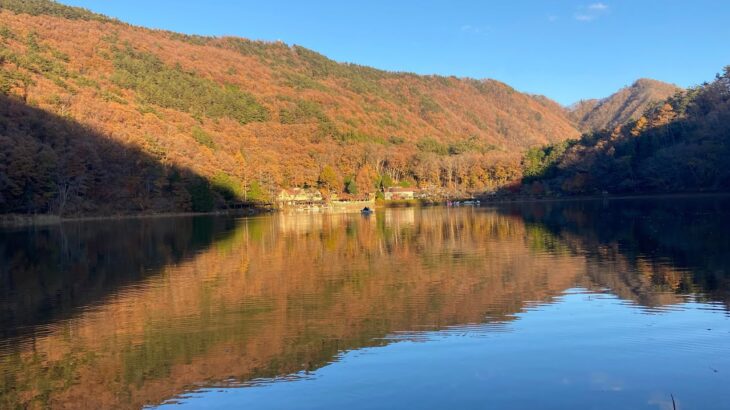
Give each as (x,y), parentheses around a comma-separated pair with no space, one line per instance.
(627,104)
(253,116)
(229,119)
(679,145)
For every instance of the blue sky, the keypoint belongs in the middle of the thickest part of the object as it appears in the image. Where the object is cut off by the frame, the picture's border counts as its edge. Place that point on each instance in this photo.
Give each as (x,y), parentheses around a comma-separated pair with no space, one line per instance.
(567,50)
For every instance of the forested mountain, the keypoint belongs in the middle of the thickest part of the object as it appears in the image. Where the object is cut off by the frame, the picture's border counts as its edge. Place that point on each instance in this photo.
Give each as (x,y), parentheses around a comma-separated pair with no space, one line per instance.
(98,116)
(680,145)
(626,105)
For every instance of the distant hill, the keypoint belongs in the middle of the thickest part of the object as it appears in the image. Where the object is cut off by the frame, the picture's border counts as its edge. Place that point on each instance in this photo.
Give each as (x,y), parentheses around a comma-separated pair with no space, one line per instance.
(625,105)
(193,123)
(679,145)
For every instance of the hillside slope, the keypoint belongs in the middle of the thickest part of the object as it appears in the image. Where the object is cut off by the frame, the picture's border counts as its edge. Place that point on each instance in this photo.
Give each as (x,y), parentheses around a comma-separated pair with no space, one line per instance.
(626,105)
(680,145)
(246,117)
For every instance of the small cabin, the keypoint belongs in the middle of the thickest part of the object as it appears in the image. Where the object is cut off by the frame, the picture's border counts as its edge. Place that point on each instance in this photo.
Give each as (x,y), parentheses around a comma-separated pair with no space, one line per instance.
(299,196)
(399,194)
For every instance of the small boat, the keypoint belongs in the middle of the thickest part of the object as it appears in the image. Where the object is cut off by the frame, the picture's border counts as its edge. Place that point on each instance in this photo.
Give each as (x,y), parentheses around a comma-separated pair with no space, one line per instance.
(366,211)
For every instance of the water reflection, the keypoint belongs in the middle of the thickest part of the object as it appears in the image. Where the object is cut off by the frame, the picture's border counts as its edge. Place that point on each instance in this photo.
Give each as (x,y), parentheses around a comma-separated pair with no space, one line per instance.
(648,251)
(584,350)
(47,273)
(124,314)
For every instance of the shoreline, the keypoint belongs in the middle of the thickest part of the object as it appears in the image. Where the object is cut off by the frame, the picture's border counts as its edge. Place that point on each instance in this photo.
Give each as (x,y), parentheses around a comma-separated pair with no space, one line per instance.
(506,200)
(22,221)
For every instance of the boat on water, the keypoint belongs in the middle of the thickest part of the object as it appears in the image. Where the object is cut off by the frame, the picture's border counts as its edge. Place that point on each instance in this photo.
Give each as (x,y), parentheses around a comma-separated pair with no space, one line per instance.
(366,211)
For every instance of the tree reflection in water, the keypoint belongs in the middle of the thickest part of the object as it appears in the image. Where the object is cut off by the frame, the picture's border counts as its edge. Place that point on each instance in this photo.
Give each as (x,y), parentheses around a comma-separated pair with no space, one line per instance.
(128,313)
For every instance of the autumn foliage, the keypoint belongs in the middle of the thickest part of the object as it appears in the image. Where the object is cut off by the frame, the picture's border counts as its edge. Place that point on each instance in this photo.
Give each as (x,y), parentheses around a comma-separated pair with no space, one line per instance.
(627,104)
(679,145)
(182,112)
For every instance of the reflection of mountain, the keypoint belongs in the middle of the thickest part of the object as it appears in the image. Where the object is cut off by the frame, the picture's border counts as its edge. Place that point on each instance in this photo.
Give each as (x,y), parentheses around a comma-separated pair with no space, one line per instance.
(271,300)
(48,272)
(645,250)
(288,292)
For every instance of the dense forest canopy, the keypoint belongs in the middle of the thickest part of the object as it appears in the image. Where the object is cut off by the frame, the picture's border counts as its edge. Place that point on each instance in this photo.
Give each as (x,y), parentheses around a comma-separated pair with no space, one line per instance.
(680,145)
(227,118)
(45,7)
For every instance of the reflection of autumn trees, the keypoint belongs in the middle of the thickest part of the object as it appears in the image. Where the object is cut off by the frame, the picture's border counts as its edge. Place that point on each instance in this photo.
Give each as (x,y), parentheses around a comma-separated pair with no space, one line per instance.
(253,114)
(286,293)
(648,251)
(49,272)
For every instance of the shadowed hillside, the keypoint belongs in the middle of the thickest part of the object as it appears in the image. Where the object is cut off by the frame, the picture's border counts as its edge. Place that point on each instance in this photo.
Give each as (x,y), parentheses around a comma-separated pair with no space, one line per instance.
(53,164)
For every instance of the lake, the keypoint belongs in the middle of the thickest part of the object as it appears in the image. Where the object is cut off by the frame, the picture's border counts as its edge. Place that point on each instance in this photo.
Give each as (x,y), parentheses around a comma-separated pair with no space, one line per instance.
(607,304)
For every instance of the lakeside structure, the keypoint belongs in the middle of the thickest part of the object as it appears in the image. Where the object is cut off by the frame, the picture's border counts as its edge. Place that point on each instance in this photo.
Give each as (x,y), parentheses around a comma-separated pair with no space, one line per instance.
(399,194)
(312,199)
(300,196)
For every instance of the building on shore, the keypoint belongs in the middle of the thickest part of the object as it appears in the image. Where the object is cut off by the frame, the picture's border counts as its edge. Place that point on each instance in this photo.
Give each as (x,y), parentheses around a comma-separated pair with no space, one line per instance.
(399,194)
(299,196)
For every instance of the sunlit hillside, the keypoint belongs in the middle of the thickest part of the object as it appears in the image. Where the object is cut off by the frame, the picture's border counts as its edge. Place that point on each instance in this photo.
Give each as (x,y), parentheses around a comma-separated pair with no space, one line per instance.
(625,105)
(681,144)
(246,117)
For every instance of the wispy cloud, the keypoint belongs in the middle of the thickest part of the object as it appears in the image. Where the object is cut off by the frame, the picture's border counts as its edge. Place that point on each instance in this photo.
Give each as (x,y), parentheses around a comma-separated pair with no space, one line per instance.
(475,30)
(584,17)
(552,18)
(591,12)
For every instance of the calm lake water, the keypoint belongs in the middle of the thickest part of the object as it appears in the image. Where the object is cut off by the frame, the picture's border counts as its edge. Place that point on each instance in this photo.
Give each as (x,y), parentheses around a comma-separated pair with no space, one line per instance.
(617,304)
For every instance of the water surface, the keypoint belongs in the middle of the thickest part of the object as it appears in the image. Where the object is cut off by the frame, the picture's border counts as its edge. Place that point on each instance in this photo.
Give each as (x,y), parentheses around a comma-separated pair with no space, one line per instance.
(594,304)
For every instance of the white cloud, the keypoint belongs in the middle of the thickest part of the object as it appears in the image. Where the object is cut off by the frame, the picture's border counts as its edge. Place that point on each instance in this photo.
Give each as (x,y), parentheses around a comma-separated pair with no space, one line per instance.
(591,12)
(598,7)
